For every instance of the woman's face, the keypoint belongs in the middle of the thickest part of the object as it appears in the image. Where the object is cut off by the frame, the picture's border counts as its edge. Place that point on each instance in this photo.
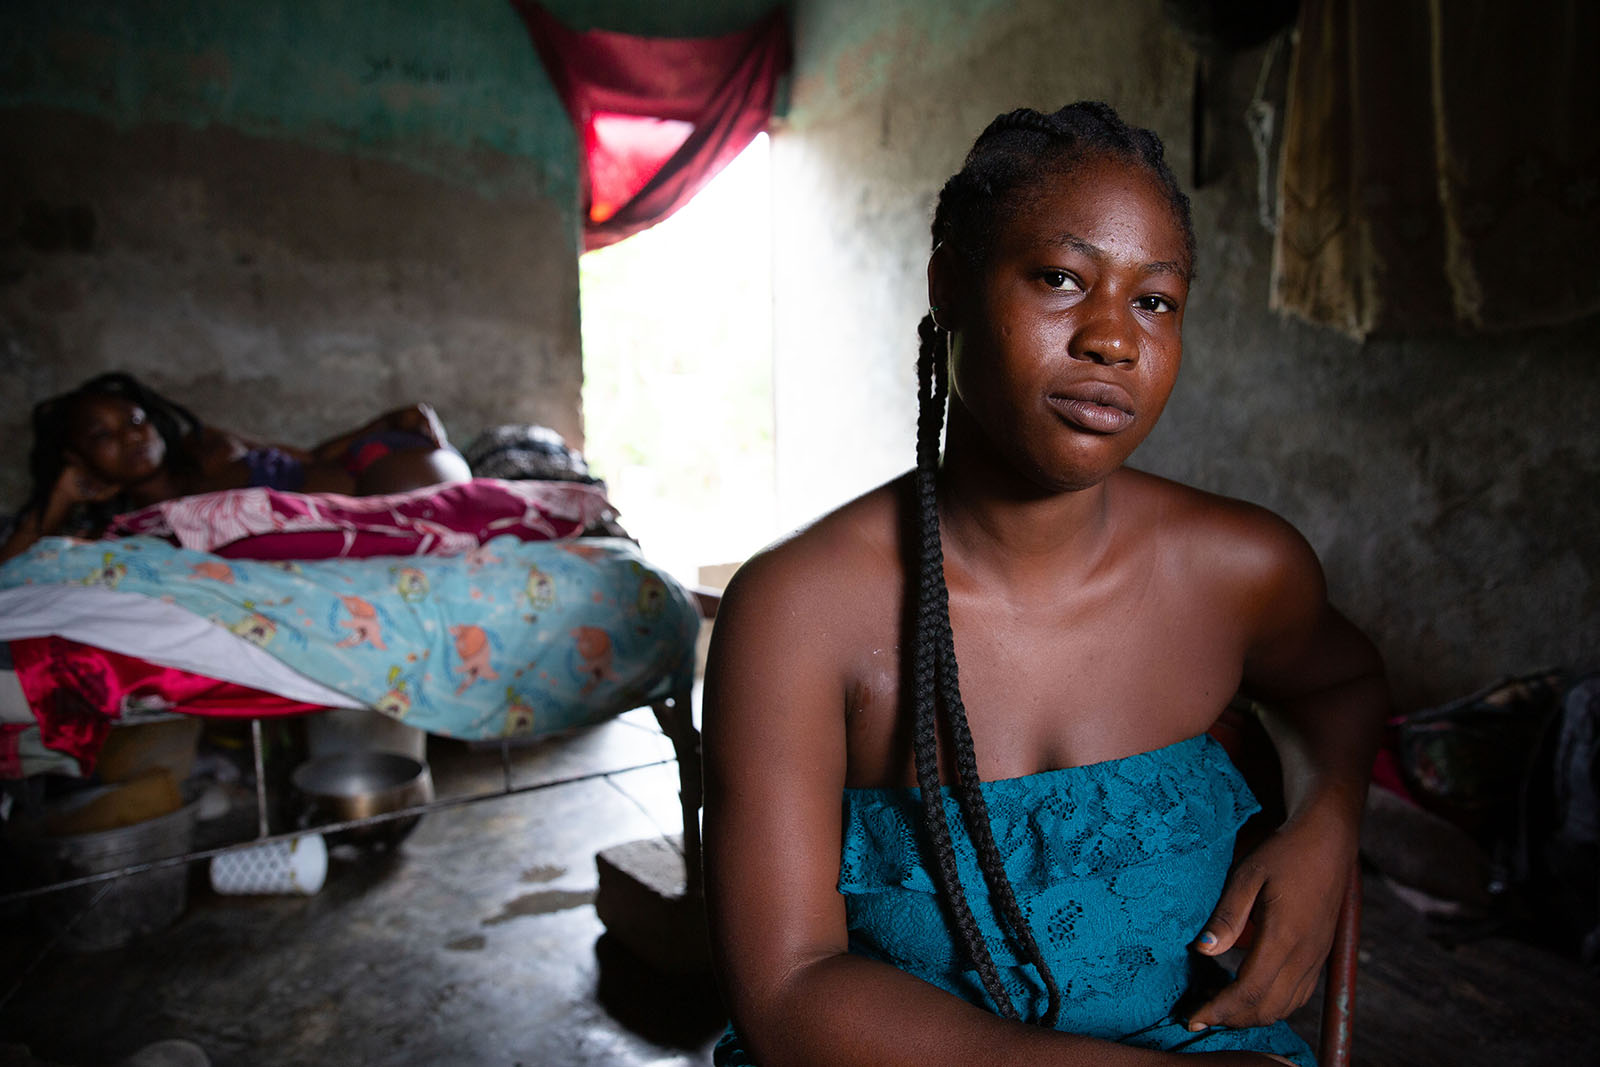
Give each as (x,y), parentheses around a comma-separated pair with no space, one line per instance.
(115,440)
(1067,340)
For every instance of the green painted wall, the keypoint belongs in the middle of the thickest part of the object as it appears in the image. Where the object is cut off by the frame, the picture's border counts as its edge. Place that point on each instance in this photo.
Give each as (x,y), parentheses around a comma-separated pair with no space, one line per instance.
(416,81)
(423,82)
(663,18)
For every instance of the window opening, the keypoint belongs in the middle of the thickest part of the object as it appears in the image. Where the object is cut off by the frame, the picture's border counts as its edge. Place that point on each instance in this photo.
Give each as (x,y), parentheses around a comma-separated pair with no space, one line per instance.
(677,360)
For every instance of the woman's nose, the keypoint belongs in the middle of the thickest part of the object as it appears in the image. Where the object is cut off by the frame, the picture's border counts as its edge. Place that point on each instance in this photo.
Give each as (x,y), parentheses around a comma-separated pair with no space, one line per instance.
(1105,332)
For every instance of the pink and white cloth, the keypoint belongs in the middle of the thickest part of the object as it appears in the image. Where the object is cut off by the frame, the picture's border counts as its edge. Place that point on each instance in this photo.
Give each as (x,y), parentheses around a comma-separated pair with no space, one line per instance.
(451,520)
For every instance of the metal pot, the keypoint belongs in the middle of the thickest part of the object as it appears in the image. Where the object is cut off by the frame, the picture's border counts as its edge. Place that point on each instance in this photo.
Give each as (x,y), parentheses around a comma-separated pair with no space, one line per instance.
(359,785)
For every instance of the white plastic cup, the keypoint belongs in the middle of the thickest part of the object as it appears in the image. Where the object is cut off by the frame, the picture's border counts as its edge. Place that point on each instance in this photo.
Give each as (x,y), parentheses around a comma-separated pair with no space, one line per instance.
(299,865)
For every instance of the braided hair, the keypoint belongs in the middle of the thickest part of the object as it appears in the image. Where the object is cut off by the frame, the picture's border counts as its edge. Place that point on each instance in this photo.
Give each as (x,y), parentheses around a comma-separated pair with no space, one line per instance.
(52,429)
(1009,158)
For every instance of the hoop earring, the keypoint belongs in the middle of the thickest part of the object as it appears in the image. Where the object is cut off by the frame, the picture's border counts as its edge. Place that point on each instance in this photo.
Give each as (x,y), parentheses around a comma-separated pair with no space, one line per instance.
(933,313)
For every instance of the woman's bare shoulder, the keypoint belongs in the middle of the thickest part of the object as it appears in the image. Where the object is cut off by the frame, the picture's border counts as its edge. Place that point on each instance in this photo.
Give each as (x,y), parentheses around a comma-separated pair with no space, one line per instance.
(1224,537)
(796,620)
(838,564)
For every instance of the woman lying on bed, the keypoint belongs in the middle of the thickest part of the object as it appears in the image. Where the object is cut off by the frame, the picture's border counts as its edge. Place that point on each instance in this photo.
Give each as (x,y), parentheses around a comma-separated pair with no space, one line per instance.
(114,444)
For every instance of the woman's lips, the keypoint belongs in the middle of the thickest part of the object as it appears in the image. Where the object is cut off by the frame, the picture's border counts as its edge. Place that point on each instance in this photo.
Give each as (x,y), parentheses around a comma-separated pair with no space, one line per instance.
(1095,407)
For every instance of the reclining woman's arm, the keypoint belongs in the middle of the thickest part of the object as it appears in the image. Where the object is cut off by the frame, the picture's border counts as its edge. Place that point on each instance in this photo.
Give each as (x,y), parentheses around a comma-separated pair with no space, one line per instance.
(73,487)
(419,419)
(423,459)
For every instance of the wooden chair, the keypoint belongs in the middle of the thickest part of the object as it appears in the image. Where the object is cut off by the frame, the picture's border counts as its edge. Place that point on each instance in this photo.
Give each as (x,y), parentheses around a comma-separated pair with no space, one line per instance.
(1339,990)
(1241,733)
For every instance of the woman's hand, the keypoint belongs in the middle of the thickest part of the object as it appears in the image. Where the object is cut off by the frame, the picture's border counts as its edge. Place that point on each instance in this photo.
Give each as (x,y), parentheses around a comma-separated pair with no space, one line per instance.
(1320,683)
(1291,886)
(76,484)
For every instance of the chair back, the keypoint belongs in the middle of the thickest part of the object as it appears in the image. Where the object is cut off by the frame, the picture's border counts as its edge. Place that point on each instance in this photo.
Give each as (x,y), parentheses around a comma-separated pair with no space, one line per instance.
(1241,733)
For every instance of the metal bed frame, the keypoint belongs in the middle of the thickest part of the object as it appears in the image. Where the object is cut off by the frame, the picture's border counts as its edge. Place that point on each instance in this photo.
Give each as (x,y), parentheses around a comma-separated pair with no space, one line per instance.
(674,714)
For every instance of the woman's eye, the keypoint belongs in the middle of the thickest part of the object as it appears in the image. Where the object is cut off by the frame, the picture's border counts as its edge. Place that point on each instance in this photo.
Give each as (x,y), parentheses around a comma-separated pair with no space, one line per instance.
(1153,302)
(1060,279)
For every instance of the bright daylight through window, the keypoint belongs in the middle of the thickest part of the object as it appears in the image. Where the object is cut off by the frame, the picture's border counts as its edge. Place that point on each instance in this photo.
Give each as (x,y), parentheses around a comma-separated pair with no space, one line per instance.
(677,361)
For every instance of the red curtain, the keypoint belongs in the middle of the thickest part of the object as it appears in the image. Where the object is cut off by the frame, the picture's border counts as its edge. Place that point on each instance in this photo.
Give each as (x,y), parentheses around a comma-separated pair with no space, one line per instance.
(657,117)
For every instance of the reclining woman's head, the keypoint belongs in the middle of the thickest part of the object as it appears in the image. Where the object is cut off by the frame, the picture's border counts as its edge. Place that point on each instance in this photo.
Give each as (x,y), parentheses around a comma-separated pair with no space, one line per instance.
(118,429)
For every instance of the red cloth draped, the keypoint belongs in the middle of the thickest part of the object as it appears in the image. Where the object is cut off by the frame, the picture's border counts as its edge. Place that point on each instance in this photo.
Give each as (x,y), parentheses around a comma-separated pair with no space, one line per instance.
(657,117)
(77,691)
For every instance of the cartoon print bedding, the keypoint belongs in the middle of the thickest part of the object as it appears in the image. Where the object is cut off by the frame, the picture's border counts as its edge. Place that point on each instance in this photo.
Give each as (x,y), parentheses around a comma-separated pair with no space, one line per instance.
(513,638)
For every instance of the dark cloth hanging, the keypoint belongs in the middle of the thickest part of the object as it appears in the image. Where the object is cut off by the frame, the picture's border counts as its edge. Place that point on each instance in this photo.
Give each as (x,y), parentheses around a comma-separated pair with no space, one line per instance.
(1439,166)
(656,117)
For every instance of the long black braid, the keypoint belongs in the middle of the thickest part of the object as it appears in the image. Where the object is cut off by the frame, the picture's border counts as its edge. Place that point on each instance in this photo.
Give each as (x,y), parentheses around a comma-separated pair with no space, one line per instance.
(1014,152)
(52,429)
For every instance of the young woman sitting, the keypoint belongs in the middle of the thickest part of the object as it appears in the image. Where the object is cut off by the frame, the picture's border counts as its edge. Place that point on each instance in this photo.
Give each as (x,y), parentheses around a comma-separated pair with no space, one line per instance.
(1030,860)
(113,444)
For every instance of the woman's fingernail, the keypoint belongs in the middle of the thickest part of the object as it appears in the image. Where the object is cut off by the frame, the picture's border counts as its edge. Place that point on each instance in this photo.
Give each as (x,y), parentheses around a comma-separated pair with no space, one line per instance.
(1195,1028)
(1208,939)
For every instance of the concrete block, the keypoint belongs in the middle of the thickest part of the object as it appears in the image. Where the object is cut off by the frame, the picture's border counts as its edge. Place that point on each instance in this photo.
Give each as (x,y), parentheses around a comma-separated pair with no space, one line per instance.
(642,903)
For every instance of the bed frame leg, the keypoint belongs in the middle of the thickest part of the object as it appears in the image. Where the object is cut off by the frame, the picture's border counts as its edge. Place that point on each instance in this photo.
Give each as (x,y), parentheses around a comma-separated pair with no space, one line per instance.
(675,714)
(261,778)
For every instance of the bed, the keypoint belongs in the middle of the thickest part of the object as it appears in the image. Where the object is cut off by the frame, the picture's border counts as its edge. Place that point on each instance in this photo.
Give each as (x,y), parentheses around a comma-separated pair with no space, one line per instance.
(484,611)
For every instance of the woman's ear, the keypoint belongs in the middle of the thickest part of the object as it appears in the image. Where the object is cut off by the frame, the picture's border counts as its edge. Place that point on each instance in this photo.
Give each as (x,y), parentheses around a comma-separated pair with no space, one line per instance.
(944,271)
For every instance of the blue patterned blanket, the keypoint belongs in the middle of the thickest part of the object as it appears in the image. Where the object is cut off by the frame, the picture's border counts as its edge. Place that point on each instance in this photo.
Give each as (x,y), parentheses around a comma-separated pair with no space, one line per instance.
(514,638)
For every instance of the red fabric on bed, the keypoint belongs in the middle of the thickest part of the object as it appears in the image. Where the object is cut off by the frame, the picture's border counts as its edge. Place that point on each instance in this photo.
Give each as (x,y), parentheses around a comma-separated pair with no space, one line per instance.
(259,523)
(76,691)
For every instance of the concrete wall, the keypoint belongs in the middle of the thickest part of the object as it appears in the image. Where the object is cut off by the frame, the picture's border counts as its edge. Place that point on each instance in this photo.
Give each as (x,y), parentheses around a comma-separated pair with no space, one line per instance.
(292,214)
(289,216)
(1450,484)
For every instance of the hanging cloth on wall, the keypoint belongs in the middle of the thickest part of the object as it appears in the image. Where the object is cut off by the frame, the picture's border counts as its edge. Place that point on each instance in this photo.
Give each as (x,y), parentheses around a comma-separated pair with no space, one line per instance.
(1439,166)
(656,117)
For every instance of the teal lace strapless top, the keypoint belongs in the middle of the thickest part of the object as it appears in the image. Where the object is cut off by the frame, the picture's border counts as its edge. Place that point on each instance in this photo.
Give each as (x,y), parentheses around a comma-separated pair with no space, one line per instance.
(1116,866)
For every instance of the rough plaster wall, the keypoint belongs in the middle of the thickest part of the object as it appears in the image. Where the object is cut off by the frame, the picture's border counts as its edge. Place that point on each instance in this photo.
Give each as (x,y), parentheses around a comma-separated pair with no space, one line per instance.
(428,83)
(1449,484)
(300,214)
(885,104)
(281,290)
(303,211)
